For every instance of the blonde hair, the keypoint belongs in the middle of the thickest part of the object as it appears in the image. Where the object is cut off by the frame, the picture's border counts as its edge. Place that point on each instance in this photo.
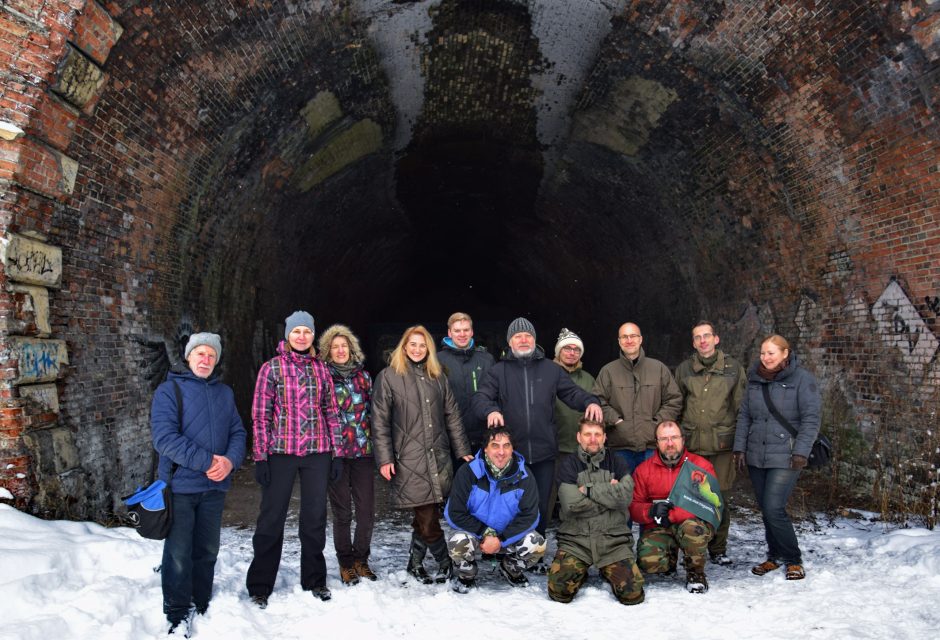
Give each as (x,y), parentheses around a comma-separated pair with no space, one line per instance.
(399,359)
(458,316)
(777,340)
(341,330)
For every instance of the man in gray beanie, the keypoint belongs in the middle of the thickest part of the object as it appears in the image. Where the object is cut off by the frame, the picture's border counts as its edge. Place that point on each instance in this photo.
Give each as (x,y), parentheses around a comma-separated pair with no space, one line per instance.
(208,339)
(199,435)
(519,393)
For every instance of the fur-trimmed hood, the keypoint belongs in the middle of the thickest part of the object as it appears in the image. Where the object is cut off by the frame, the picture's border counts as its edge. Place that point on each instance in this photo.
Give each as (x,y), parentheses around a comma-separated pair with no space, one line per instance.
(326,338)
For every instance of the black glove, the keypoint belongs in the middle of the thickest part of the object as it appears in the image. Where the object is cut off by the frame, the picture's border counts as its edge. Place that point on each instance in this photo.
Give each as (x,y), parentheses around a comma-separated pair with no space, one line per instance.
(262,473)
(659,512)
(740,461)
(336,469)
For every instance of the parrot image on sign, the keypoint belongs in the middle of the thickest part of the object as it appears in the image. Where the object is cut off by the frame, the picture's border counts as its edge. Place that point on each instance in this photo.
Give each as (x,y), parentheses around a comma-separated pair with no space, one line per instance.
(700,480)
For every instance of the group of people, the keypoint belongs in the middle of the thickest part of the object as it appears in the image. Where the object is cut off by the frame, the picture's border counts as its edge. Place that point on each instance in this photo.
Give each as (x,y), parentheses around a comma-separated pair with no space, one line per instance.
(491,447)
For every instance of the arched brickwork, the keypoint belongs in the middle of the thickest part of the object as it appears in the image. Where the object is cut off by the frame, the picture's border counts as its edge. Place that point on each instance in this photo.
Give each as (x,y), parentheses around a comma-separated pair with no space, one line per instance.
(770,165)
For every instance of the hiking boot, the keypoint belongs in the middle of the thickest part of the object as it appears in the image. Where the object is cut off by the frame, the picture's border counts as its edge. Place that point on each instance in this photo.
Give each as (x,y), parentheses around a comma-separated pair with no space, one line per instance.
(363,571)
(795,572)
(695,582)
(464,585)
(539,568)
(515,577)
(764,567)
(260,601)
(721,560)
(349,576)
(321,593)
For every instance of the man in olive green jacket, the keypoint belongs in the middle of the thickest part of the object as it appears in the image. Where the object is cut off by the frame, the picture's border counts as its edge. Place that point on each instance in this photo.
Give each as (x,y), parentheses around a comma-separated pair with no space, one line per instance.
(636,394)
(568,352)
(595,489)
(712,385)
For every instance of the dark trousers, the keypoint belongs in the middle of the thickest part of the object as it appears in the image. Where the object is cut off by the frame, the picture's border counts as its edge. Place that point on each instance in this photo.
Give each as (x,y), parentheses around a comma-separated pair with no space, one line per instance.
(635,458)
(190,551)
(356,487)
(544,475)
(314,470)
(427,523)
(773,487)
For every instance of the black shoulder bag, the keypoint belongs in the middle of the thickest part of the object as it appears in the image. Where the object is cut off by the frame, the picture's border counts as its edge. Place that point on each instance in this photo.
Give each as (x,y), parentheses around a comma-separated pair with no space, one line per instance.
(821,453)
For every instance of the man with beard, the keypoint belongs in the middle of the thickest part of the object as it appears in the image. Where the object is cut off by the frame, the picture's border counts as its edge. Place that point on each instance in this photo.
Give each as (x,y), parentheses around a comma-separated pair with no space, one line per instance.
(665,528)
(595,489)
(519,393)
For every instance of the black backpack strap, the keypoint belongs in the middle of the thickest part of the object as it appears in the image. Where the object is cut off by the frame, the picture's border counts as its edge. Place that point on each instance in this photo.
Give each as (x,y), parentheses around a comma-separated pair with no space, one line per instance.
(179,414)
(765,388)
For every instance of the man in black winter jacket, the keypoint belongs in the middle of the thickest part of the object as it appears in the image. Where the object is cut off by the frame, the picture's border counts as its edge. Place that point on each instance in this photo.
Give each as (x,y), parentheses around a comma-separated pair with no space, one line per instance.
(465,364)
(519,393)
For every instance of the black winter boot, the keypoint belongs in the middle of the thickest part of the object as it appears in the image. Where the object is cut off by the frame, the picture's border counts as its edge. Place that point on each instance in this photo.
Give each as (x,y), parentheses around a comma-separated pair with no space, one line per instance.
(444,565)
(416,560)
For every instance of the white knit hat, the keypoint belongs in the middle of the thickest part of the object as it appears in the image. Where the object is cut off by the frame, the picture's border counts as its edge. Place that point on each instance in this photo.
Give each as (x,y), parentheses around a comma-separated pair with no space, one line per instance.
(566,337)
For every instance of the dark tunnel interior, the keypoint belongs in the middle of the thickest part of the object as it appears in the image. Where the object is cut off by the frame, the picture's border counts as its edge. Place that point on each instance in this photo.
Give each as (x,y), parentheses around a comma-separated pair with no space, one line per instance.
(380,163)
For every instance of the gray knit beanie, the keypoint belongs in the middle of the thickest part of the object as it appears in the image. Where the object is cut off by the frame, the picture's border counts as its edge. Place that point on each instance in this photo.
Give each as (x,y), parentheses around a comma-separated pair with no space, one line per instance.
(209,339)
(519,325)
(298,319)
(566,337)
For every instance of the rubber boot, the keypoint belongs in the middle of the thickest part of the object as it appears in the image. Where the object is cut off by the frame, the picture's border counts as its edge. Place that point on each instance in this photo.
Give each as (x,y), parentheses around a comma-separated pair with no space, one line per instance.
(416,560)
(444,567)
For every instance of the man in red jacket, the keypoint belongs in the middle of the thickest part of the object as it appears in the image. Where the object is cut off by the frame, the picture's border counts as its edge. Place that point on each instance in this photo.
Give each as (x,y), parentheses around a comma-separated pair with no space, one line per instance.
(665,527)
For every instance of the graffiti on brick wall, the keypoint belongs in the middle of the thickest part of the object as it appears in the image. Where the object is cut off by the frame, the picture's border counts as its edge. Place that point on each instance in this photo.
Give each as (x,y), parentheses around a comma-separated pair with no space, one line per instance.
(30,261)
(933,303)
(39,360)
(159,354)
(901,326)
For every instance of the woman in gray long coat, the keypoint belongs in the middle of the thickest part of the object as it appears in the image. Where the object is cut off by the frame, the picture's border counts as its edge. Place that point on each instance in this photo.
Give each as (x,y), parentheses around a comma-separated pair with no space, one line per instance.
(774,457)
(415,424)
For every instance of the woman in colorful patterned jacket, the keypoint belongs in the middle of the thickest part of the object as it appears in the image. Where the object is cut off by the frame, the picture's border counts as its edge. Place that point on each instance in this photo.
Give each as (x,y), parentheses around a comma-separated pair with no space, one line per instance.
(340,350)
(297,428)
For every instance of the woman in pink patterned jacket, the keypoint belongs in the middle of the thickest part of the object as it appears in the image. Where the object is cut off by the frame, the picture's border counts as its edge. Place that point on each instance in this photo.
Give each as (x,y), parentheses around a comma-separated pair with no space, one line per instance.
(297,430)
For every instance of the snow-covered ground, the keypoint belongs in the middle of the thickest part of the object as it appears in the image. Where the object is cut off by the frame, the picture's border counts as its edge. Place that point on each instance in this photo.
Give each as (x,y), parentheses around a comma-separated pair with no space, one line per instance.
(62,580)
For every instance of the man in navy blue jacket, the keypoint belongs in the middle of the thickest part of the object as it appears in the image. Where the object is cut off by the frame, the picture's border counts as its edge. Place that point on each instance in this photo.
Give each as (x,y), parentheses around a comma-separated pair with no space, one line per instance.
(494,508)
(519,392)
(199,435)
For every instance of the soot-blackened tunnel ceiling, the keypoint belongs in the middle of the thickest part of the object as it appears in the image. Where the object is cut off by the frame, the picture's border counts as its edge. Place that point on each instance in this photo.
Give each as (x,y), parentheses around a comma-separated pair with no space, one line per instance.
(769,165)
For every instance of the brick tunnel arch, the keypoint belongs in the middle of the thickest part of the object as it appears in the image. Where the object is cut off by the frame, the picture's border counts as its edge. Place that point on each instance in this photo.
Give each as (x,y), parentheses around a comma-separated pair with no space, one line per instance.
(772,166)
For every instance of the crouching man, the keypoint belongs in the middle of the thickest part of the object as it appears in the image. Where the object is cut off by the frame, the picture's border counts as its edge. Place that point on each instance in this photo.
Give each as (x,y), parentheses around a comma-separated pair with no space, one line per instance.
(667,528)
(595,489)
(494,509)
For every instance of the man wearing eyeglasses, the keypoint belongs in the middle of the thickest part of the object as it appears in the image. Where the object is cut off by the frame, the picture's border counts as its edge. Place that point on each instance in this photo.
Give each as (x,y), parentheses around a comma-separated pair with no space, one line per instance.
(664,527)
(712,385)
(636,393)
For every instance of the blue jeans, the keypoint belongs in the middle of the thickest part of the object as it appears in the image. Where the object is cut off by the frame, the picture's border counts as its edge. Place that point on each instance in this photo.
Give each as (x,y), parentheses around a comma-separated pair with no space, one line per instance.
(773,487)
(190,551)
(634,458)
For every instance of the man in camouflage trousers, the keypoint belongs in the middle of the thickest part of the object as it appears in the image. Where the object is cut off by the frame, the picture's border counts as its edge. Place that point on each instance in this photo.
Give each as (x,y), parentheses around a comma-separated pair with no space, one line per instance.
(712,385)
(595,489)
(666,528)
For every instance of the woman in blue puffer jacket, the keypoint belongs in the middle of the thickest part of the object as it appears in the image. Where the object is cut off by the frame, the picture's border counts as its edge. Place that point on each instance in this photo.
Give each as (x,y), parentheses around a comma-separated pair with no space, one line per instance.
(773,456)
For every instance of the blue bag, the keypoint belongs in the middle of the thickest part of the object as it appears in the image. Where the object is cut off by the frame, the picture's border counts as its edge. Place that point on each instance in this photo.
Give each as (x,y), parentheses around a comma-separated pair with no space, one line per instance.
(150,510)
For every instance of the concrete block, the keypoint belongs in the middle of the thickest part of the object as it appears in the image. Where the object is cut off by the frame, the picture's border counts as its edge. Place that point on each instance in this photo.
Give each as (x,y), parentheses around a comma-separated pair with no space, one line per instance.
(30,311)
(39,360)
(46,395)
(78,79)
(30,261)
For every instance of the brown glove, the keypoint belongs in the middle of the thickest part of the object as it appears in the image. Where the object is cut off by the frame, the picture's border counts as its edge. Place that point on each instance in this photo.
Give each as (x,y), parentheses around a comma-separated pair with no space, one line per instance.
(739,461)
(797,462)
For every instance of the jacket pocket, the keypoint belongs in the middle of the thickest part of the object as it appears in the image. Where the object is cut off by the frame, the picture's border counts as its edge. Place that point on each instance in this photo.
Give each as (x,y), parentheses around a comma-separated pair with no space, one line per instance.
(724,438)
(693,438)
